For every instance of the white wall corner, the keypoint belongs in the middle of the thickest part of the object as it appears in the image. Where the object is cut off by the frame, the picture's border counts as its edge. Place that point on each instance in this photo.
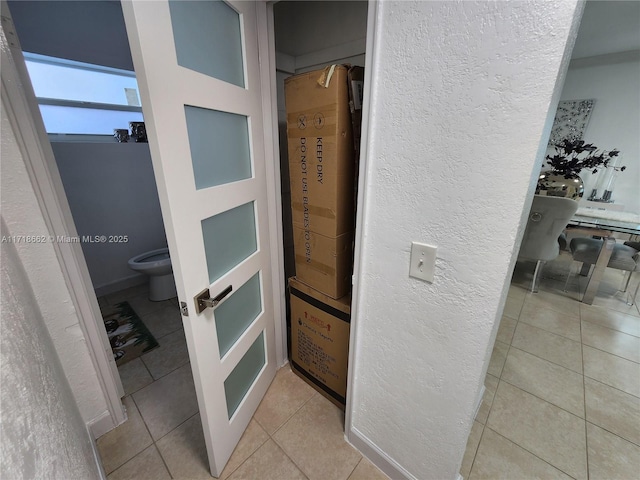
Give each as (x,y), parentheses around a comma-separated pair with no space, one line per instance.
(102,424)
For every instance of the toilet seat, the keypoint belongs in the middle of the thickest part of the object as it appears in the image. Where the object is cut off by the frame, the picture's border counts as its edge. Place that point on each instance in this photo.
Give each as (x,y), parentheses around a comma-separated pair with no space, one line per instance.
(153,258)
(156,264)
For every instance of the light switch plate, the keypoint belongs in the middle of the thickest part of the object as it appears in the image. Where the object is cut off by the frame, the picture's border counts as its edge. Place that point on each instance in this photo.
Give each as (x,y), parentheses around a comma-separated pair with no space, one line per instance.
(423,261)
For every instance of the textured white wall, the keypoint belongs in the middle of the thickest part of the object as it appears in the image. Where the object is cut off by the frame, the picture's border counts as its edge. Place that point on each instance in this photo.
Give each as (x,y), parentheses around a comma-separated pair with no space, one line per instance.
(612,80)
(461,94)
(23,216)
(43,434)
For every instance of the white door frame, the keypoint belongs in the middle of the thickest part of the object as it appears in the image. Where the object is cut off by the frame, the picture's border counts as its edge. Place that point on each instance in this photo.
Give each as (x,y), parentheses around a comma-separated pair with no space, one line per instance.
(267,55)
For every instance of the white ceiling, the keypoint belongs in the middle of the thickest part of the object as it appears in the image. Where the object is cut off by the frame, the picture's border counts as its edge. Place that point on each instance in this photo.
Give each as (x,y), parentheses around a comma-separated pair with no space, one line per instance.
(608,27)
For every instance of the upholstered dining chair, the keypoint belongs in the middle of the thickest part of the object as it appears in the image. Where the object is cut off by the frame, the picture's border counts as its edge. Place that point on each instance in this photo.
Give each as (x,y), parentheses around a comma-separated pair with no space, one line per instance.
(547,219)
(623,257)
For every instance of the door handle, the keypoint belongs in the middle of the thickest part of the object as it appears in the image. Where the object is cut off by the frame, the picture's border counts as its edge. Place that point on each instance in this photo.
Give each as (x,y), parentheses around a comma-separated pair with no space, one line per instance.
(203,299)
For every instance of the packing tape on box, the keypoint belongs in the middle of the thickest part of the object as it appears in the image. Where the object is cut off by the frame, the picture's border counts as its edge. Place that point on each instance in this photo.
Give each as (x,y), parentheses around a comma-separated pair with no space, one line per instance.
(322,306)
(323,212)
(325,77)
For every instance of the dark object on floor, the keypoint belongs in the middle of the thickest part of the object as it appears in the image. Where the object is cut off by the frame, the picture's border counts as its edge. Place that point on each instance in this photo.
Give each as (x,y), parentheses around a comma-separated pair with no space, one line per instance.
(128,336)
(634,245)
(623,257)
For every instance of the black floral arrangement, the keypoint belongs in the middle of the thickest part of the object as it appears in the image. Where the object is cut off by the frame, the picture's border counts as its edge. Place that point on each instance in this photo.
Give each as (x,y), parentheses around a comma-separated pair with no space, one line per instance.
(573,156)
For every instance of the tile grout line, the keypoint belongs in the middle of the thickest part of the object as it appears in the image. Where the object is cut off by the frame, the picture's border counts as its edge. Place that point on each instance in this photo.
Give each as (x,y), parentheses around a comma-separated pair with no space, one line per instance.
(543,399)
(492,403)
(610,328)
(146,428)
(549,331)
(484,426)
(611,386)
(271,437)
(354,468)
(612,354)
(615,311)
(584,399)
(143,420)
(530,452)
(250,455)
(550,361)
(614,434)
(290,459)
(562,366)
(163,460)
(129,461)
(292,415)
(153,440)
(475,454)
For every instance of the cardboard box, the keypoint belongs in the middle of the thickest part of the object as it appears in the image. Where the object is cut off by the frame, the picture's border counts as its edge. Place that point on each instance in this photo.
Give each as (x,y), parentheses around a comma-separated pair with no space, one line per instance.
(320,339)
(355,76)
(322,176)
(324,263)
(321,154)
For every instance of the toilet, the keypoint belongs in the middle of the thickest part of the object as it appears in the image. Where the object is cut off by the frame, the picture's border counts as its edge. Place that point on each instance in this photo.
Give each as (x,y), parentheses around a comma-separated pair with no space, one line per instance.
(156,264)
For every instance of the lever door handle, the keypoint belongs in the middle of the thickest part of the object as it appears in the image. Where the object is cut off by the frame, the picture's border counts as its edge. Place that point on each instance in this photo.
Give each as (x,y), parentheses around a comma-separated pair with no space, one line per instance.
(203,299)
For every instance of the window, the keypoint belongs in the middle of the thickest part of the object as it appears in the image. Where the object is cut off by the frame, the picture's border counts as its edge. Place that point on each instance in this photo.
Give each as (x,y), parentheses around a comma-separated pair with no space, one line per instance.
(83,99)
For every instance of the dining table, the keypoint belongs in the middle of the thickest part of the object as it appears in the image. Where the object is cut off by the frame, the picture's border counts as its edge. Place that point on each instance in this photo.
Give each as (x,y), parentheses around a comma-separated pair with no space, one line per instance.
(603,223)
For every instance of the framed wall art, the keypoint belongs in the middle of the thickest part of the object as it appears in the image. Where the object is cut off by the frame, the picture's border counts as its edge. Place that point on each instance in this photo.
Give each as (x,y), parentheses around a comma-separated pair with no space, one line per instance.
(571,120)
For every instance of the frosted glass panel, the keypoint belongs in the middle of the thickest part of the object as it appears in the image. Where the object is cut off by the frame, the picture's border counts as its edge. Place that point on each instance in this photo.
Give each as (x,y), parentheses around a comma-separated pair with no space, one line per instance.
(219,143)
(208,39)
(229,238)
(236,313)
(241,378)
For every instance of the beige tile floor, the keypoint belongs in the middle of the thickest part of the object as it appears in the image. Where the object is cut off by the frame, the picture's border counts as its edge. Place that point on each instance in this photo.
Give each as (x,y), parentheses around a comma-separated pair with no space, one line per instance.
(563,386)
(562,400)
(295,433)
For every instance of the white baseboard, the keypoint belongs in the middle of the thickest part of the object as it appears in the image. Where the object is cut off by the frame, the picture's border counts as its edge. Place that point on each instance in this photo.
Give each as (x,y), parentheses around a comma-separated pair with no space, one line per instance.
(101,425)
(121,284)
(380,459)
(96,455)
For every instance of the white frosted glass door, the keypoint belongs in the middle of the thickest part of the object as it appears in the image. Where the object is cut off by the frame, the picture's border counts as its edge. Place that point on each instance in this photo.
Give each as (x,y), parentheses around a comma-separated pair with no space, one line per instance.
(198,73)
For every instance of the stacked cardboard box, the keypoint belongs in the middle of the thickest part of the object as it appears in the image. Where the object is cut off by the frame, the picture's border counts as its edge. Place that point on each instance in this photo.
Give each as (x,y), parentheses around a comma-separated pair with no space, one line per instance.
(323,108)
(322,172)
(320,339)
